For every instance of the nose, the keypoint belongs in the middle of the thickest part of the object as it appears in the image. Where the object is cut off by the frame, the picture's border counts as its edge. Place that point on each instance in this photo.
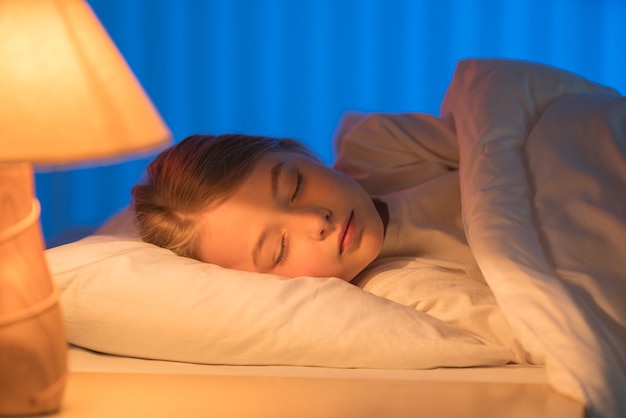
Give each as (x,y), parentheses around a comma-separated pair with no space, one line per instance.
(315,222)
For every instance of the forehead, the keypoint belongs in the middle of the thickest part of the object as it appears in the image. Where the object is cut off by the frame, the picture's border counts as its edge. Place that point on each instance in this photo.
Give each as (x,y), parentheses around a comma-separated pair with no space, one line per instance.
(228,230)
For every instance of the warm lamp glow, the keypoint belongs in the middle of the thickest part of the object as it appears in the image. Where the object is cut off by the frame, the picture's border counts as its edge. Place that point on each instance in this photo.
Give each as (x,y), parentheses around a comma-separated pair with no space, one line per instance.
(66,95)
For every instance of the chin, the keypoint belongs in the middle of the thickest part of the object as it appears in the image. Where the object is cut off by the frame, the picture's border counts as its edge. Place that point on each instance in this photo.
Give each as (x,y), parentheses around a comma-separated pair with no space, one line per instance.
(351,275)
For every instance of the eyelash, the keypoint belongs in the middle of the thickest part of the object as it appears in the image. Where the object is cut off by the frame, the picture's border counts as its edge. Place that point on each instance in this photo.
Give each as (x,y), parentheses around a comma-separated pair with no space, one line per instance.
(284,251)
(284,244)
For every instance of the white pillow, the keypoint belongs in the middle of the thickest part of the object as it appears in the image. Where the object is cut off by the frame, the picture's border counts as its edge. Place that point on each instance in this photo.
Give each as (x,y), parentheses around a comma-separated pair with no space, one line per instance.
(126,297)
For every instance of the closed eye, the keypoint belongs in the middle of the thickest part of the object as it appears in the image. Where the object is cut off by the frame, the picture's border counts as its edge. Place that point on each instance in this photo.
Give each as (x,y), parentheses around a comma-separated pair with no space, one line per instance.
(298,187)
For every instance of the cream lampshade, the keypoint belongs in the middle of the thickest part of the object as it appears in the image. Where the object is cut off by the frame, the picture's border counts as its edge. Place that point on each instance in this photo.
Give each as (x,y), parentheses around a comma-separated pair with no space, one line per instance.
(66,95)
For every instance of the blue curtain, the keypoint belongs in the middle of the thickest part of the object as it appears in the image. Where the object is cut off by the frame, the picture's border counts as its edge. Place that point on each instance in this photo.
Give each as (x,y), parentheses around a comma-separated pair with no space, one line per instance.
(293,67)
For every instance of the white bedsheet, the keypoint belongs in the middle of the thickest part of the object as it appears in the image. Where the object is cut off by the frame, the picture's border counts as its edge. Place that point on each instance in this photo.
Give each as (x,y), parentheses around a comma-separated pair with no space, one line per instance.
(82,360)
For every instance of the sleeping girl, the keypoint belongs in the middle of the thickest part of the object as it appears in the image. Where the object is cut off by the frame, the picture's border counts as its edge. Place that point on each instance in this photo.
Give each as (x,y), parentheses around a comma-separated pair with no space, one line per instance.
(269,205)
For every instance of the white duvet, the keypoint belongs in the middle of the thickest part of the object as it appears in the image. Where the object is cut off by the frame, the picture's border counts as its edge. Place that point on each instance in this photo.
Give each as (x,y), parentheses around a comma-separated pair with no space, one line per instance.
(543,183)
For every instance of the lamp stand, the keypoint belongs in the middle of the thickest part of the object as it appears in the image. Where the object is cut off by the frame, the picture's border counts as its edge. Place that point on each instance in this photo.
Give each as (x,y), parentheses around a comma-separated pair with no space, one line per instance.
(33,347)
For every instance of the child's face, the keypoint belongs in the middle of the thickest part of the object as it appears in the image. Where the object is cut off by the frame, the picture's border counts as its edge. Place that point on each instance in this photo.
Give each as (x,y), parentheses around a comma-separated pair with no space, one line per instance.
(293,216)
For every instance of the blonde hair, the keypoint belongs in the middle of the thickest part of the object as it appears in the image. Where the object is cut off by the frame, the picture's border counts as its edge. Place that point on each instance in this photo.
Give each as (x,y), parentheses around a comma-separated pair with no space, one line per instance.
(187,178)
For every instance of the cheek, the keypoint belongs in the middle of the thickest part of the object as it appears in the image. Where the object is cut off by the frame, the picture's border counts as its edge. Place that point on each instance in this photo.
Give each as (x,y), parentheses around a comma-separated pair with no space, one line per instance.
(309,260)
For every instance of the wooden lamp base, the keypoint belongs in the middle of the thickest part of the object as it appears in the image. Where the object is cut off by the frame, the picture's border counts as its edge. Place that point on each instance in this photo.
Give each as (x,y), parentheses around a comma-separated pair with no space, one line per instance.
(33,347)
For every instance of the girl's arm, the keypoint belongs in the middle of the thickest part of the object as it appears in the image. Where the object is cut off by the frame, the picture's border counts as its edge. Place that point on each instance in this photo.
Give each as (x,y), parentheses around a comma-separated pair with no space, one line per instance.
(386,152)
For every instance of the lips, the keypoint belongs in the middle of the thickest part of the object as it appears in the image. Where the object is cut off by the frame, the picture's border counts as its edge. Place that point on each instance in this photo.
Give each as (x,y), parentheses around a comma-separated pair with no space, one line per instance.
(348,232)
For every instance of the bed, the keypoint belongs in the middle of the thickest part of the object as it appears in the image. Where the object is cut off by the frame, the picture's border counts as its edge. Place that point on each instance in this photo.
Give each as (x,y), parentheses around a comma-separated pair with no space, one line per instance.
(543,181)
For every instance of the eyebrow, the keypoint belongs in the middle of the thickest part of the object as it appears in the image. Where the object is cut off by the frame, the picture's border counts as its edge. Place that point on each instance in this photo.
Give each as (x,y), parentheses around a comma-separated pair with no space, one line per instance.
(275,175)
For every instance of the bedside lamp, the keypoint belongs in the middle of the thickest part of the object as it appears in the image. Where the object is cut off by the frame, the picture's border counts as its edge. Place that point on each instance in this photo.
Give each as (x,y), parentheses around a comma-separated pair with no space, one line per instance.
(66,95)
